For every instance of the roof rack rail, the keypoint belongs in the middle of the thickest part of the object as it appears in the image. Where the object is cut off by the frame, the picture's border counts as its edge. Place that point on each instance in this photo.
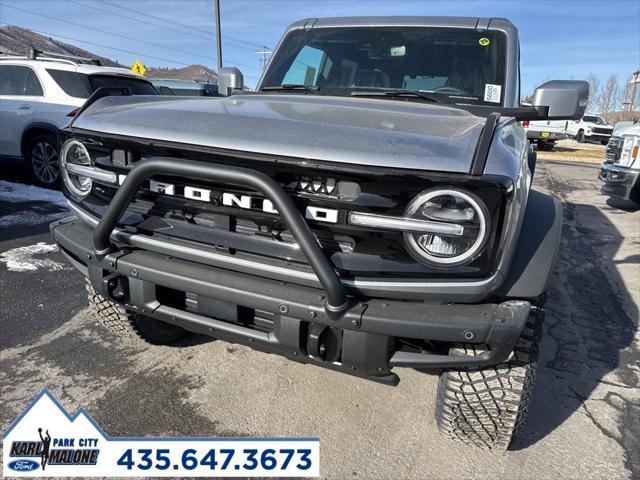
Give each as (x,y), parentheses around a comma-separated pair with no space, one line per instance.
(34,54)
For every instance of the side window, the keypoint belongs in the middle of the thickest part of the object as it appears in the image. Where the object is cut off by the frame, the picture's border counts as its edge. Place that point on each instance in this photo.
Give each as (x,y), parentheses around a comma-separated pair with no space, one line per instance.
(305,68)
(19,80)
(165,90)
(33,86)
(137,86)
(72,83)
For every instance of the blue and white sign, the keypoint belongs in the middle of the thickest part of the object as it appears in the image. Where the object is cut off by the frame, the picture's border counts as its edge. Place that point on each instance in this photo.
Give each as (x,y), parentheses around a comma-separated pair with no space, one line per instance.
(45,441)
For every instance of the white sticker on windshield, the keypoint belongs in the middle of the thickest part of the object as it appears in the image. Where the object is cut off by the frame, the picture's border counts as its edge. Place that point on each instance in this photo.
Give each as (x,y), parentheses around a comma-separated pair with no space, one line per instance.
(492,93)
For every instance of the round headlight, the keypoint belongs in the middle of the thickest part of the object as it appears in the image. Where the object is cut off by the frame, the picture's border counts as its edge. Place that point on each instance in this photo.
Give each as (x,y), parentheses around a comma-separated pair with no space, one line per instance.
(448,206)
(75,153)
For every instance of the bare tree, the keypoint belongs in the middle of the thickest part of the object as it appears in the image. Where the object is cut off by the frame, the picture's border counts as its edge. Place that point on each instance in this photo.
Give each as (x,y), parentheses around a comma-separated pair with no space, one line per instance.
(610,95)
(594,93)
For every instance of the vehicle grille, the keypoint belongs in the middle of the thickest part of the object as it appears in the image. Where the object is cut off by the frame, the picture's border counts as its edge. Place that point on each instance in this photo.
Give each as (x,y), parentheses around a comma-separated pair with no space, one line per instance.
(614,150)
(601,130)
(251,233)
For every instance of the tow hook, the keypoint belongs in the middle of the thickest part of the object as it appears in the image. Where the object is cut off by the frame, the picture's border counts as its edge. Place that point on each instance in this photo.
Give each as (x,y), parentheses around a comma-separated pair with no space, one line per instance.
(115,286)
(324,342)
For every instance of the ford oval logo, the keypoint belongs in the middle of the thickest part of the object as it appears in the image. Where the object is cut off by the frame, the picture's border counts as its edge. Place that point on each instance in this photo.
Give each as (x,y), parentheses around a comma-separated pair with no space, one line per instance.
(23,465)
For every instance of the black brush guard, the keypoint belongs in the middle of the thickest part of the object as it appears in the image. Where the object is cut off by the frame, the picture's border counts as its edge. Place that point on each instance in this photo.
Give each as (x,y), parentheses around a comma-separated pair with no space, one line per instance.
(336,300)
(367,328)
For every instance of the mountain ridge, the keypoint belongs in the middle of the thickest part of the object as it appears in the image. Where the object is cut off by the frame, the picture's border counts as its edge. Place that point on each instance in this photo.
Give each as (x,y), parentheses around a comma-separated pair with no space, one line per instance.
(16,40)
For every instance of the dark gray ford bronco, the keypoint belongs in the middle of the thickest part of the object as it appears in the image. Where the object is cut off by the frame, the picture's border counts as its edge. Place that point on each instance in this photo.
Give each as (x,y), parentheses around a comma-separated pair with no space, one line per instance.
(368,207)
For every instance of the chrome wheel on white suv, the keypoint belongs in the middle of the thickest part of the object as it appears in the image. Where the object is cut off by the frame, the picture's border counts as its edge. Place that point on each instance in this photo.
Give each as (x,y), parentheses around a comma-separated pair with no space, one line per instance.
(42,153)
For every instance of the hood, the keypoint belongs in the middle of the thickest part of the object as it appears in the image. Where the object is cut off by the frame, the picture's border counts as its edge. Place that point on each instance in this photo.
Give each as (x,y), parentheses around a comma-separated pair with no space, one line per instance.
(377,132)
(629,128)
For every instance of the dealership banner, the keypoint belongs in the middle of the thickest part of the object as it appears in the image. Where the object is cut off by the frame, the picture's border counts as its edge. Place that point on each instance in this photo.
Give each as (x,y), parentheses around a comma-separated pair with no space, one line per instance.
(45,441)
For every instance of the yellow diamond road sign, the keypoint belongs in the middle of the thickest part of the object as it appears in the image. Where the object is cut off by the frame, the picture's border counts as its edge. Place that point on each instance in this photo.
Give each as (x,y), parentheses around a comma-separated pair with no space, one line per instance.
(138,67)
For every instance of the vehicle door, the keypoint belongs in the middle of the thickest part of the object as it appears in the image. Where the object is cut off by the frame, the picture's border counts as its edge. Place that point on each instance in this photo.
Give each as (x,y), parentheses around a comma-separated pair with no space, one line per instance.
(573,126)
(20,94)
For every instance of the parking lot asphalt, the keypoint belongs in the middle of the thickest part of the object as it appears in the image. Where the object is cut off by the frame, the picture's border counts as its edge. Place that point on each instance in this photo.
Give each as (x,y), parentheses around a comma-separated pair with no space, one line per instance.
(584,421)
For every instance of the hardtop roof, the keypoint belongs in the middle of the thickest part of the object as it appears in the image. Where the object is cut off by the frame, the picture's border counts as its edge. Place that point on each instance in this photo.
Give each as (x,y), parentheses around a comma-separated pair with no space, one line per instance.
(406,21)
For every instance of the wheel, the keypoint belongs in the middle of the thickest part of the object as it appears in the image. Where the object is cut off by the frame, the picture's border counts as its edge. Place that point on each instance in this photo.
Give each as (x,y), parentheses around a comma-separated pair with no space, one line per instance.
(634,196)
(131,326)
(485,407)
(546,146)
(42,155)
(580,136)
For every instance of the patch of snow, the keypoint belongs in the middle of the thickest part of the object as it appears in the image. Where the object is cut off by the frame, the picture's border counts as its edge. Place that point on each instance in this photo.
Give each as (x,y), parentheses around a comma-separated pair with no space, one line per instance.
(30,217)
(37,205)
(18,192)
(24,259)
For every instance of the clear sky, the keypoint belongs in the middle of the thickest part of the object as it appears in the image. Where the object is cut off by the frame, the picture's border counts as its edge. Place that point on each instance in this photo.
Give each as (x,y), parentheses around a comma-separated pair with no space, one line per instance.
(559,38)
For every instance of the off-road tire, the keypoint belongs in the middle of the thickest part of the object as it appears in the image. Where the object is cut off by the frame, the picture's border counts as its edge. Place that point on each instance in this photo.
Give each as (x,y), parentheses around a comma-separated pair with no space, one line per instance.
(580,136)
(485,407)
(129,326)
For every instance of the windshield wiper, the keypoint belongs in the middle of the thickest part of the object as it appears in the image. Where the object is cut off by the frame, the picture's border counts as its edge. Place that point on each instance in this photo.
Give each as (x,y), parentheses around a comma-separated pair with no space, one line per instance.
(395,93)
(291,87)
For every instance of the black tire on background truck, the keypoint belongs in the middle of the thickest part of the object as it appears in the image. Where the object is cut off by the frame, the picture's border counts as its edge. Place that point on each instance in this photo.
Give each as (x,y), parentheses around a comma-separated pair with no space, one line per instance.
(485,407)
(580,136)
(42,155)
(131,326)
(546,146)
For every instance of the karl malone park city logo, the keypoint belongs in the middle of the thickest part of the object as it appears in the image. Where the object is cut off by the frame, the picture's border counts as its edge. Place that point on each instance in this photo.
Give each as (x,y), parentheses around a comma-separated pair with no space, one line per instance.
(63,452)
(46,440)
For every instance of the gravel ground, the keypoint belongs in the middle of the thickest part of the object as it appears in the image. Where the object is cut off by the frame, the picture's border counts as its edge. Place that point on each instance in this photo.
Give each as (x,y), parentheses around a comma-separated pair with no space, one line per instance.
(584,422)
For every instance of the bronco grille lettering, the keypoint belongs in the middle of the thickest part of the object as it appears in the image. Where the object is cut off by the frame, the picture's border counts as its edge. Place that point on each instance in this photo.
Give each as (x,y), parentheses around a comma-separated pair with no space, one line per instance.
(242,201)
(246,202)
(201,194)
(160,187)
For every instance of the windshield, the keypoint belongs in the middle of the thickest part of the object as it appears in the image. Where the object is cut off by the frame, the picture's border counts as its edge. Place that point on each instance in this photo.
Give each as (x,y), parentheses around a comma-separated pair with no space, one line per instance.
(456,65)
(596,120)
(80,85)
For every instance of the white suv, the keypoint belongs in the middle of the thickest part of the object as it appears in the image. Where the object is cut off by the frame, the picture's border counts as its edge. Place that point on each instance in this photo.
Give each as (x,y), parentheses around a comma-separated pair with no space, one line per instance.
(39,93)
(590,127)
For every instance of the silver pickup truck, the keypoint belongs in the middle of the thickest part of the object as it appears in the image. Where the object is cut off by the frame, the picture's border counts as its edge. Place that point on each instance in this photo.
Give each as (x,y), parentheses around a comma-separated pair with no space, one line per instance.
(368,207)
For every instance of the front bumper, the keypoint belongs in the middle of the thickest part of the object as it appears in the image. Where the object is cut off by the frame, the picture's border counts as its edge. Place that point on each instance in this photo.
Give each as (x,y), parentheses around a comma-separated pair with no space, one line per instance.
(361,339)
(618,181)
(550,136)
(598,137)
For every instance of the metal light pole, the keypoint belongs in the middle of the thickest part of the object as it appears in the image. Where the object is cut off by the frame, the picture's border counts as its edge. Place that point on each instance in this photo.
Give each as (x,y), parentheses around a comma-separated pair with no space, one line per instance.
(216,4)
